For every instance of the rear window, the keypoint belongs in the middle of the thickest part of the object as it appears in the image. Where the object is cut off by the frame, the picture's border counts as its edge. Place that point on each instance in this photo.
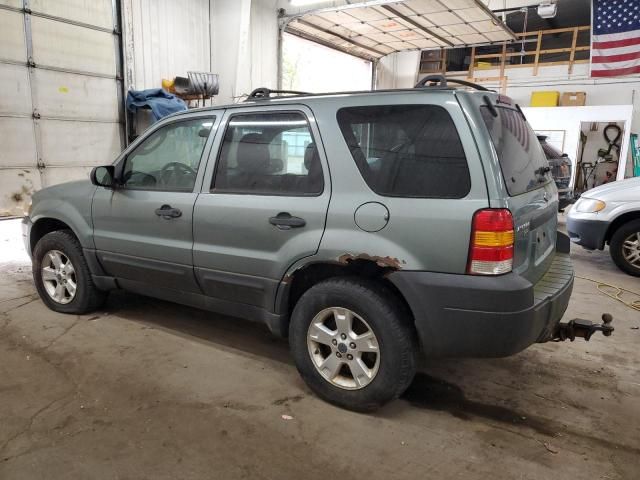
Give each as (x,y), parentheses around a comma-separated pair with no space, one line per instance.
(521,157)
(550,151)
(407,150)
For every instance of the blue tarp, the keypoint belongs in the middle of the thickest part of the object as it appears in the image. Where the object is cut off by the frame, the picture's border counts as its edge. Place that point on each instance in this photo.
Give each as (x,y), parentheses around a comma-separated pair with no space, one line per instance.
(161,102)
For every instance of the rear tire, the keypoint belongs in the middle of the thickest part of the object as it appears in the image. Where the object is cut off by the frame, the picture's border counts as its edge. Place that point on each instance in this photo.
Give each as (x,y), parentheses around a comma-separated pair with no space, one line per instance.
(381,343)
(62,276)
(624,247)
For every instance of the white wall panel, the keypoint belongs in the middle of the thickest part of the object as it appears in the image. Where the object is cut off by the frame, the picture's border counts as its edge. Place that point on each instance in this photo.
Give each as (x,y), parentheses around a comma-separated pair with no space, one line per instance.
(12,44)
(84,130)
(73,96)
(244,38)
(55,175)
(397,70)
(18,148)
(92,12)
(169,39)
(15,96)
(12,3)
(16,187)
(75,48)
(86,143)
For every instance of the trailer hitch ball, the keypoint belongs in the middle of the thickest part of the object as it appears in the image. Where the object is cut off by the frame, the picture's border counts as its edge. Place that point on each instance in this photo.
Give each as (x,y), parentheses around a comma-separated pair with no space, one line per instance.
(579,327)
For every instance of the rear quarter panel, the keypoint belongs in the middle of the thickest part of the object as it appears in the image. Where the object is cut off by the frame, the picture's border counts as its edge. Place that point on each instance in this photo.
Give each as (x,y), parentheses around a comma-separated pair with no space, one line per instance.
(421,234)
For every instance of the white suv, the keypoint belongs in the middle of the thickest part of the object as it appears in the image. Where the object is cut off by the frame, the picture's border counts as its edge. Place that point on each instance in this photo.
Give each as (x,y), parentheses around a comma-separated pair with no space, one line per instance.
(610,214)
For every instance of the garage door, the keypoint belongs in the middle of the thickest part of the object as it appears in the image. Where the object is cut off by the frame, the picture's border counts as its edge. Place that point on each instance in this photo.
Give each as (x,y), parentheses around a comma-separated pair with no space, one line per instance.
(61,108)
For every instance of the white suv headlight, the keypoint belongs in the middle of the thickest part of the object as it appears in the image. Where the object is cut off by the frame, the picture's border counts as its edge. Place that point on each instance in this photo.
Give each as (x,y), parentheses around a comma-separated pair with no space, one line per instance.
(589,205)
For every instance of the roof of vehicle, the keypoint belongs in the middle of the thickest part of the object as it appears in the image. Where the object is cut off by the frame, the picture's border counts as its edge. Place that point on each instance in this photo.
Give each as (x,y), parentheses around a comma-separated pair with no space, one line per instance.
(262,96)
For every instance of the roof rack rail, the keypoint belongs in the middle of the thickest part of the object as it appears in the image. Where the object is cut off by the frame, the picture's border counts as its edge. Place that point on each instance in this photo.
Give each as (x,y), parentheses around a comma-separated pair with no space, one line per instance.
(260,93)
(441,81)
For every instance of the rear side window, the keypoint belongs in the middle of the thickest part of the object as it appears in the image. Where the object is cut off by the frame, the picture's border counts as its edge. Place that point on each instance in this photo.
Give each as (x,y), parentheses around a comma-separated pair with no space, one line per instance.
(269,154)
(521,157)
(407,150)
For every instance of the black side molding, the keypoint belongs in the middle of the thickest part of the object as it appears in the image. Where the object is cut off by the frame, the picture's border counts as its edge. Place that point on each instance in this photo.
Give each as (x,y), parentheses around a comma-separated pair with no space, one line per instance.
(563,243)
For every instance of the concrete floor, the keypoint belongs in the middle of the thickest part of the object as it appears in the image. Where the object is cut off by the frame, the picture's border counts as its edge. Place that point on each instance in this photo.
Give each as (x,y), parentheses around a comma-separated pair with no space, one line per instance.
(146,389)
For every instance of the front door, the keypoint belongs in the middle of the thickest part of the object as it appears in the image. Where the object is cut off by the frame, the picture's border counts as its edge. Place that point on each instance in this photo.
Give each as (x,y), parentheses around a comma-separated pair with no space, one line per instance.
(264,208)
(143,229)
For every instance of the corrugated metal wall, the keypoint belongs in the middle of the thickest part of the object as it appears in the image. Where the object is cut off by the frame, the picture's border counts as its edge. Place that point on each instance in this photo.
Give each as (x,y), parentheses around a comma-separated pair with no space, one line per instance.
(169,38)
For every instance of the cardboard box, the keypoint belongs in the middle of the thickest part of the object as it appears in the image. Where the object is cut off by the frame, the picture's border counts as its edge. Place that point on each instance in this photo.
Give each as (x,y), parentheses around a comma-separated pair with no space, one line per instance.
(544,99)
(573,99)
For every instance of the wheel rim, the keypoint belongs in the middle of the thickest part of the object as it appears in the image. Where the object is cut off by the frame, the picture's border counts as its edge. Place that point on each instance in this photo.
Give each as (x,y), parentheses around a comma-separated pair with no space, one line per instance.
(58,277)
(631,249)
(343,348)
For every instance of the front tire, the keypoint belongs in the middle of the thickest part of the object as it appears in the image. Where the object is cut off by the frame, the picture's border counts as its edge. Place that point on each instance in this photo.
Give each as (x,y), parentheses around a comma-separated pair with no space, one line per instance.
(62,277)
(353,343)
(624,247)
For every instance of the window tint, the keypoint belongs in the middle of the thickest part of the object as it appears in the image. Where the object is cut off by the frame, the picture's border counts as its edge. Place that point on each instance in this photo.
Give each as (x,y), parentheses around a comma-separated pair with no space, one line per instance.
(168,159)
(271,154)
(407,150)
(518,148)
(549,150)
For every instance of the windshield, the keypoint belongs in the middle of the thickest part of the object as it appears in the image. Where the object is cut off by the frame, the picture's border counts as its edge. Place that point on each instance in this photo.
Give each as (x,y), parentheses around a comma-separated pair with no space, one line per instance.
(521,157)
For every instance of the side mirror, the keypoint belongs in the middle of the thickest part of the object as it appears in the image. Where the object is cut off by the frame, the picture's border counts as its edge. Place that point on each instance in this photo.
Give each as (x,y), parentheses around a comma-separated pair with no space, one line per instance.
(103,176)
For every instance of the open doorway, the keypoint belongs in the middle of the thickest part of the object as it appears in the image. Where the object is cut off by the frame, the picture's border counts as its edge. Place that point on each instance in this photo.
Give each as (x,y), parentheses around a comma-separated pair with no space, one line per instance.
(310,67)
(599,154)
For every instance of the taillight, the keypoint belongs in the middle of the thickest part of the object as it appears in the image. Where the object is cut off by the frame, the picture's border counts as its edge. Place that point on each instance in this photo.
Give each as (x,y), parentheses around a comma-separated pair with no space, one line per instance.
(491,247)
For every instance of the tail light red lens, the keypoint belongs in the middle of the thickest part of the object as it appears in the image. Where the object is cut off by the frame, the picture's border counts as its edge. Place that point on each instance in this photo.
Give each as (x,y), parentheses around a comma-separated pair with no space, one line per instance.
(491,246)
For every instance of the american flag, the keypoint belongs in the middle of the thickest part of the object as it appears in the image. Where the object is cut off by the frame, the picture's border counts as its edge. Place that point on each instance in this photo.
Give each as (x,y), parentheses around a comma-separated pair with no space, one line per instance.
(615,40)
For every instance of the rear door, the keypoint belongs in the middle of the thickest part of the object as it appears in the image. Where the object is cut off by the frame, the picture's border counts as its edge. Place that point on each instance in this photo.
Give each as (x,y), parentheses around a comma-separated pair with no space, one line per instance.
(531,194)
(263,203)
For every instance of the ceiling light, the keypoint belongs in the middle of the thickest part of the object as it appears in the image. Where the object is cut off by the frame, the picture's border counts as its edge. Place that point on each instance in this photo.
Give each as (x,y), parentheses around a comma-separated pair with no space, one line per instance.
(547,10)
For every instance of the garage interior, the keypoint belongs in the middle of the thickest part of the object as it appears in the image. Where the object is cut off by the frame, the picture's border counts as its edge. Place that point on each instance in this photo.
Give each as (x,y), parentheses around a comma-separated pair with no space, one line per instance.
(145,388)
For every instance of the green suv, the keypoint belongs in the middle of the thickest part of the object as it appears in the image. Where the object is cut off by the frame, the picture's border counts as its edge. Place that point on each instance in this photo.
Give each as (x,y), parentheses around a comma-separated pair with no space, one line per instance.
(368,227)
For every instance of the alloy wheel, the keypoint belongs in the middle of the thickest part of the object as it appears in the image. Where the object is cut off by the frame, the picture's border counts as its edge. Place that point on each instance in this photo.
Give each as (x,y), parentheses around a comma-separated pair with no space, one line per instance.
(343,348)
(631,249)
(58,277)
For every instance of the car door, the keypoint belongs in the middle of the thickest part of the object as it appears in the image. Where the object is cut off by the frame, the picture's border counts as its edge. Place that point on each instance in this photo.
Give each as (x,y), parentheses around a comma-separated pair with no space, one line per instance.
(264,206)
(143,228)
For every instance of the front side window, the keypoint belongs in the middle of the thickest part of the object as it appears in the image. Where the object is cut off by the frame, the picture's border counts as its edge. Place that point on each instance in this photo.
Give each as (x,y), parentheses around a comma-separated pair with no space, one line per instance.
(168,159)
(270,154)
(407,150)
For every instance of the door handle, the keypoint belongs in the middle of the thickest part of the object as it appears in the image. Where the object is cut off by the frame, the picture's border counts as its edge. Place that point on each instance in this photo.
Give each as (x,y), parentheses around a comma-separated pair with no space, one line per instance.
(284,221)
(168,212)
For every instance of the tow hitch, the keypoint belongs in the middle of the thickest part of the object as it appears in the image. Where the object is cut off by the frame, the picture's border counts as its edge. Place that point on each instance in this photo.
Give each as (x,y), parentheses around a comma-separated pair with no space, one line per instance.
(578,327)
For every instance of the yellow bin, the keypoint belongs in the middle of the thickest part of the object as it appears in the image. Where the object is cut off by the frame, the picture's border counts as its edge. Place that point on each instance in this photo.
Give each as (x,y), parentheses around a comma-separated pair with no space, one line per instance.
(545,99)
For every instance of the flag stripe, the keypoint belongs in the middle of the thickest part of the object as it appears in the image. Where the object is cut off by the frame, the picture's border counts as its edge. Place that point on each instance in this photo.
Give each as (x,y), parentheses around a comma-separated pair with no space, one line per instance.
(615,72)
(615,58)
(616,43)
(616,65)
(614,51)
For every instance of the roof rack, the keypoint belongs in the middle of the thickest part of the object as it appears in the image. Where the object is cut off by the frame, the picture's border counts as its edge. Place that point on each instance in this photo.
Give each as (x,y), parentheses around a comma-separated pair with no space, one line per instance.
(260,93)
(440,81)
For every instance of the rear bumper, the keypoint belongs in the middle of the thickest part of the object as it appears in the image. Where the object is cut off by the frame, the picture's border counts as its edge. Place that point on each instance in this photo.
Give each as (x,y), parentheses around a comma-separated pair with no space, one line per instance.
(472,316)
(588,233)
